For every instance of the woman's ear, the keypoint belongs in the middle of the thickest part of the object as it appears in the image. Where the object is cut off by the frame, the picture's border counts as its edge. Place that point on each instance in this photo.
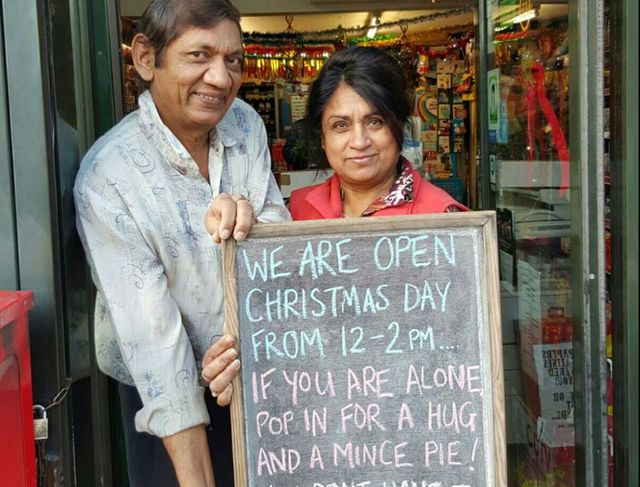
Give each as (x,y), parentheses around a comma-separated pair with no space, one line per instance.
(144,58)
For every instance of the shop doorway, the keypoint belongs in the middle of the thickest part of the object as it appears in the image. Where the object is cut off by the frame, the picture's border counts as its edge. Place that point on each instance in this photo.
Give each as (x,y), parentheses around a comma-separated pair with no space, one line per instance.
(494,92)
(491,96)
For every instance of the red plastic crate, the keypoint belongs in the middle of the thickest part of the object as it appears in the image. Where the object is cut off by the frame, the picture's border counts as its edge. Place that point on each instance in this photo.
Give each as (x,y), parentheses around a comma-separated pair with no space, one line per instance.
(17,445)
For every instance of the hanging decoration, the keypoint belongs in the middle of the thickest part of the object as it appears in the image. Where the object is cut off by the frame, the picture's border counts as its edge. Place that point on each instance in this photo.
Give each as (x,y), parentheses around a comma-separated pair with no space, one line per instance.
(293,55)
(269,63)
(532,78)
(544,42)
(419,42)
(528,35)
(364,40)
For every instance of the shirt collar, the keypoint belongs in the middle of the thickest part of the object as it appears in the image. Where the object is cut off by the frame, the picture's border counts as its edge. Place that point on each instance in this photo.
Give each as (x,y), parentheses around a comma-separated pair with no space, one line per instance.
(400,193)
(327,197)
(165,140)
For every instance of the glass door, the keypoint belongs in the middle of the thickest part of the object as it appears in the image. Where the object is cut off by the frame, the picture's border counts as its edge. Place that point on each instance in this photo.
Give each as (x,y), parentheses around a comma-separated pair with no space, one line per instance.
(529,165)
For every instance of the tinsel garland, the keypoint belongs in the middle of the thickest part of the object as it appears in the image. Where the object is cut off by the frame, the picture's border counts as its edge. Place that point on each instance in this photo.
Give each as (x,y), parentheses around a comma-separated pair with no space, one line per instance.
(519,36)
(270,63)
(380,38)
(441,34)
(284,52)
(454,45)
(271,69)
(296,55)
(260,41)
(339,32)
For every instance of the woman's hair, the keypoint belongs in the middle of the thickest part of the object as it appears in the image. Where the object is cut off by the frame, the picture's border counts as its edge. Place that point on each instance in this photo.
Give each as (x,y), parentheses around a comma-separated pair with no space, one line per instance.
(374,75)
(165,20)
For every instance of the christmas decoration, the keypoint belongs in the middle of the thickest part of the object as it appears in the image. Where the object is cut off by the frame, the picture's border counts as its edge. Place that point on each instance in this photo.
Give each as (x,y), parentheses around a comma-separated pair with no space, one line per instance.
(338,33)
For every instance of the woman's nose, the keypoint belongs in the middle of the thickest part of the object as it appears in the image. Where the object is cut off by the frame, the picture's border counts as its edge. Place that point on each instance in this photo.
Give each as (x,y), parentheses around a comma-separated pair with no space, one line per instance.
(359,137)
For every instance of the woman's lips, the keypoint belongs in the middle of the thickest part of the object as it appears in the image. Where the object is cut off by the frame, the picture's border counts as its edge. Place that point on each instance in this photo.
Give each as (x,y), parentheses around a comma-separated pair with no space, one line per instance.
(362,159)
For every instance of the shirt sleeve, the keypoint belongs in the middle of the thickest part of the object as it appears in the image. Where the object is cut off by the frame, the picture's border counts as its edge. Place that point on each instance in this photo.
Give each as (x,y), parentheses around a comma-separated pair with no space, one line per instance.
(264,193)
(274,209)
(147,322)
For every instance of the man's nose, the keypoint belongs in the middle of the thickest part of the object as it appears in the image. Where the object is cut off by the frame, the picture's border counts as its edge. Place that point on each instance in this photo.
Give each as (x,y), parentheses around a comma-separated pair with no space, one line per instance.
(217,73)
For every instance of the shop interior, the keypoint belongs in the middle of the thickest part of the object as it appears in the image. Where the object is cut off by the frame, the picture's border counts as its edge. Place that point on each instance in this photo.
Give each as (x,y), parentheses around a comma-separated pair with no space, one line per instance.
(284,55)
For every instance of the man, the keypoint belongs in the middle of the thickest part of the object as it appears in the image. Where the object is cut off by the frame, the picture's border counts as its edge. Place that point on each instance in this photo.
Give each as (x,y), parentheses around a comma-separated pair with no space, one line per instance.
(141,195)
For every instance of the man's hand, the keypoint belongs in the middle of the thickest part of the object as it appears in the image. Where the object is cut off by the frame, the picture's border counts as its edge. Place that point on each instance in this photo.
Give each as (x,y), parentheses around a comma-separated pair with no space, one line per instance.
(189,453)
(219,366)
(229,214)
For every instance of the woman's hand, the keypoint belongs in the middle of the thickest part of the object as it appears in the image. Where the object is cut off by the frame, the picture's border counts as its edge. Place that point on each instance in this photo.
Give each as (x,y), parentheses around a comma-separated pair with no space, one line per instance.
(219,367)
(229,214)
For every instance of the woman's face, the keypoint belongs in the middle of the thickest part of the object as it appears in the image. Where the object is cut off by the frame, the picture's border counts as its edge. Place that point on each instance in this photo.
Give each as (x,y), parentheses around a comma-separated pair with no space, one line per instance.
(357,141)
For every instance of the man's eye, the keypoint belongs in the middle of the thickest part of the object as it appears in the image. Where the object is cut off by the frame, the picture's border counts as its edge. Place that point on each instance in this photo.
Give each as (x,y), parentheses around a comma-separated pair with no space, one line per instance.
(197,55)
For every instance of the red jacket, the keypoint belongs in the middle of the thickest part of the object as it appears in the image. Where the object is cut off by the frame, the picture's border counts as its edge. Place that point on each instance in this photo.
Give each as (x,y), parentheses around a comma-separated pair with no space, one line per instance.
(323,201)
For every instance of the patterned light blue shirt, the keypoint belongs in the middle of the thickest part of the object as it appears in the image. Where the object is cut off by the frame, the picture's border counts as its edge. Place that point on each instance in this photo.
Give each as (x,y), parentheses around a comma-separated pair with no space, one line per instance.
(141,202)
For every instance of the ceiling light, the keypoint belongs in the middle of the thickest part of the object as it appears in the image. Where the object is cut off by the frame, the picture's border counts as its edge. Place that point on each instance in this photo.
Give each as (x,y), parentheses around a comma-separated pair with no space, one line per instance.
(523,17)
(374,27)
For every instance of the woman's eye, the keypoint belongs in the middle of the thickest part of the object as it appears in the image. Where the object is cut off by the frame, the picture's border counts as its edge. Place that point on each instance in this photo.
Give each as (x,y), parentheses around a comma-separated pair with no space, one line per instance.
(339,125)
(197,55)
(376,122)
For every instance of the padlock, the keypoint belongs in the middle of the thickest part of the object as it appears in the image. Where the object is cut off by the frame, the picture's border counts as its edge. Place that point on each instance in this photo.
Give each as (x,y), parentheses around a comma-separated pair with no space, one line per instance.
(40,423)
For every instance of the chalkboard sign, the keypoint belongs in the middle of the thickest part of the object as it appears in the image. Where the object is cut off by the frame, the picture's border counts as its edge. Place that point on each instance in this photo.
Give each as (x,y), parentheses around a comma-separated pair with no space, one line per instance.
(371,353)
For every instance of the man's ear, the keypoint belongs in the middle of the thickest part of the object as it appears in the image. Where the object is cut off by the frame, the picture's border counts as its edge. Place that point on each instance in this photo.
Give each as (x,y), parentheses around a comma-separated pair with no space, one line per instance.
(144,58)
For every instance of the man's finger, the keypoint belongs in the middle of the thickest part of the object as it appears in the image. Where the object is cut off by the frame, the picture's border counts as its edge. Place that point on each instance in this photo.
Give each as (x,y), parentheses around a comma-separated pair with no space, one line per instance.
(218,364)
(218,348)
(224,399)
(244,218)
(211,219)
(219,383)
(225,209)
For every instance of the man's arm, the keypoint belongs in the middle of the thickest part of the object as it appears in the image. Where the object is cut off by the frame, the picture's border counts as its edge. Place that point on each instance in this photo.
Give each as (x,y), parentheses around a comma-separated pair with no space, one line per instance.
(152,341)
(189,452)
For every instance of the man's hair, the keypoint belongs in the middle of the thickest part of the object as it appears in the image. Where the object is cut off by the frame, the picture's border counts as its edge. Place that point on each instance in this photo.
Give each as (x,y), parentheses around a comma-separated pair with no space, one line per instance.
(373,74)
(165,20)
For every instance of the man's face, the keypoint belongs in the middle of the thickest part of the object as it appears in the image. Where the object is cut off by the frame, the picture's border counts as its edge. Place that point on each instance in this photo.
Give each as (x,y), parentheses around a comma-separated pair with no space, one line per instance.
(200,76)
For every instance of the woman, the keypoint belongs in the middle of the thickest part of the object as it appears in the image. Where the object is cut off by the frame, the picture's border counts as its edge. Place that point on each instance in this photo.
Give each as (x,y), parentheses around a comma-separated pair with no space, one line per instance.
(357,111)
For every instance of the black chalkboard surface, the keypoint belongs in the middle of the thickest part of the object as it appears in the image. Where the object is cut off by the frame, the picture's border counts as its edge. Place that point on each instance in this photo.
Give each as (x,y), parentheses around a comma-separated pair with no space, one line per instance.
(371,353)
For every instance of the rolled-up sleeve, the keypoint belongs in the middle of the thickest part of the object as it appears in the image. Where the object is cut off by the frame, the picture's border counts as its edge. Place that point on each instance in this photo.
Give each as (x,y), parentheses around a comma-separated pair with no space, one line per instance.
(132,283)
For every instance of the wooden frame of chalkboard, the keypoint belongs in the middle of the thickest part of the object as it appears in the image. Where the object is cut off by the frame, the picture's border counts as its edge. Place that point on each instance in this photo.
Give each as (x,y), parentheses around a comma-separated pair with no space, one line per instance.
(478,228)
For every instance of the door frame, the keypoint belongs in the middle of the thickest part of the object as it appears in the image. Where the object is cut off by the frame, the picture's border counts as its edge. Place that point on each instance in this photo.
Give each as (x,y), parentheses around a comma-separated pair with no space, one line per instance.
(624,231)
